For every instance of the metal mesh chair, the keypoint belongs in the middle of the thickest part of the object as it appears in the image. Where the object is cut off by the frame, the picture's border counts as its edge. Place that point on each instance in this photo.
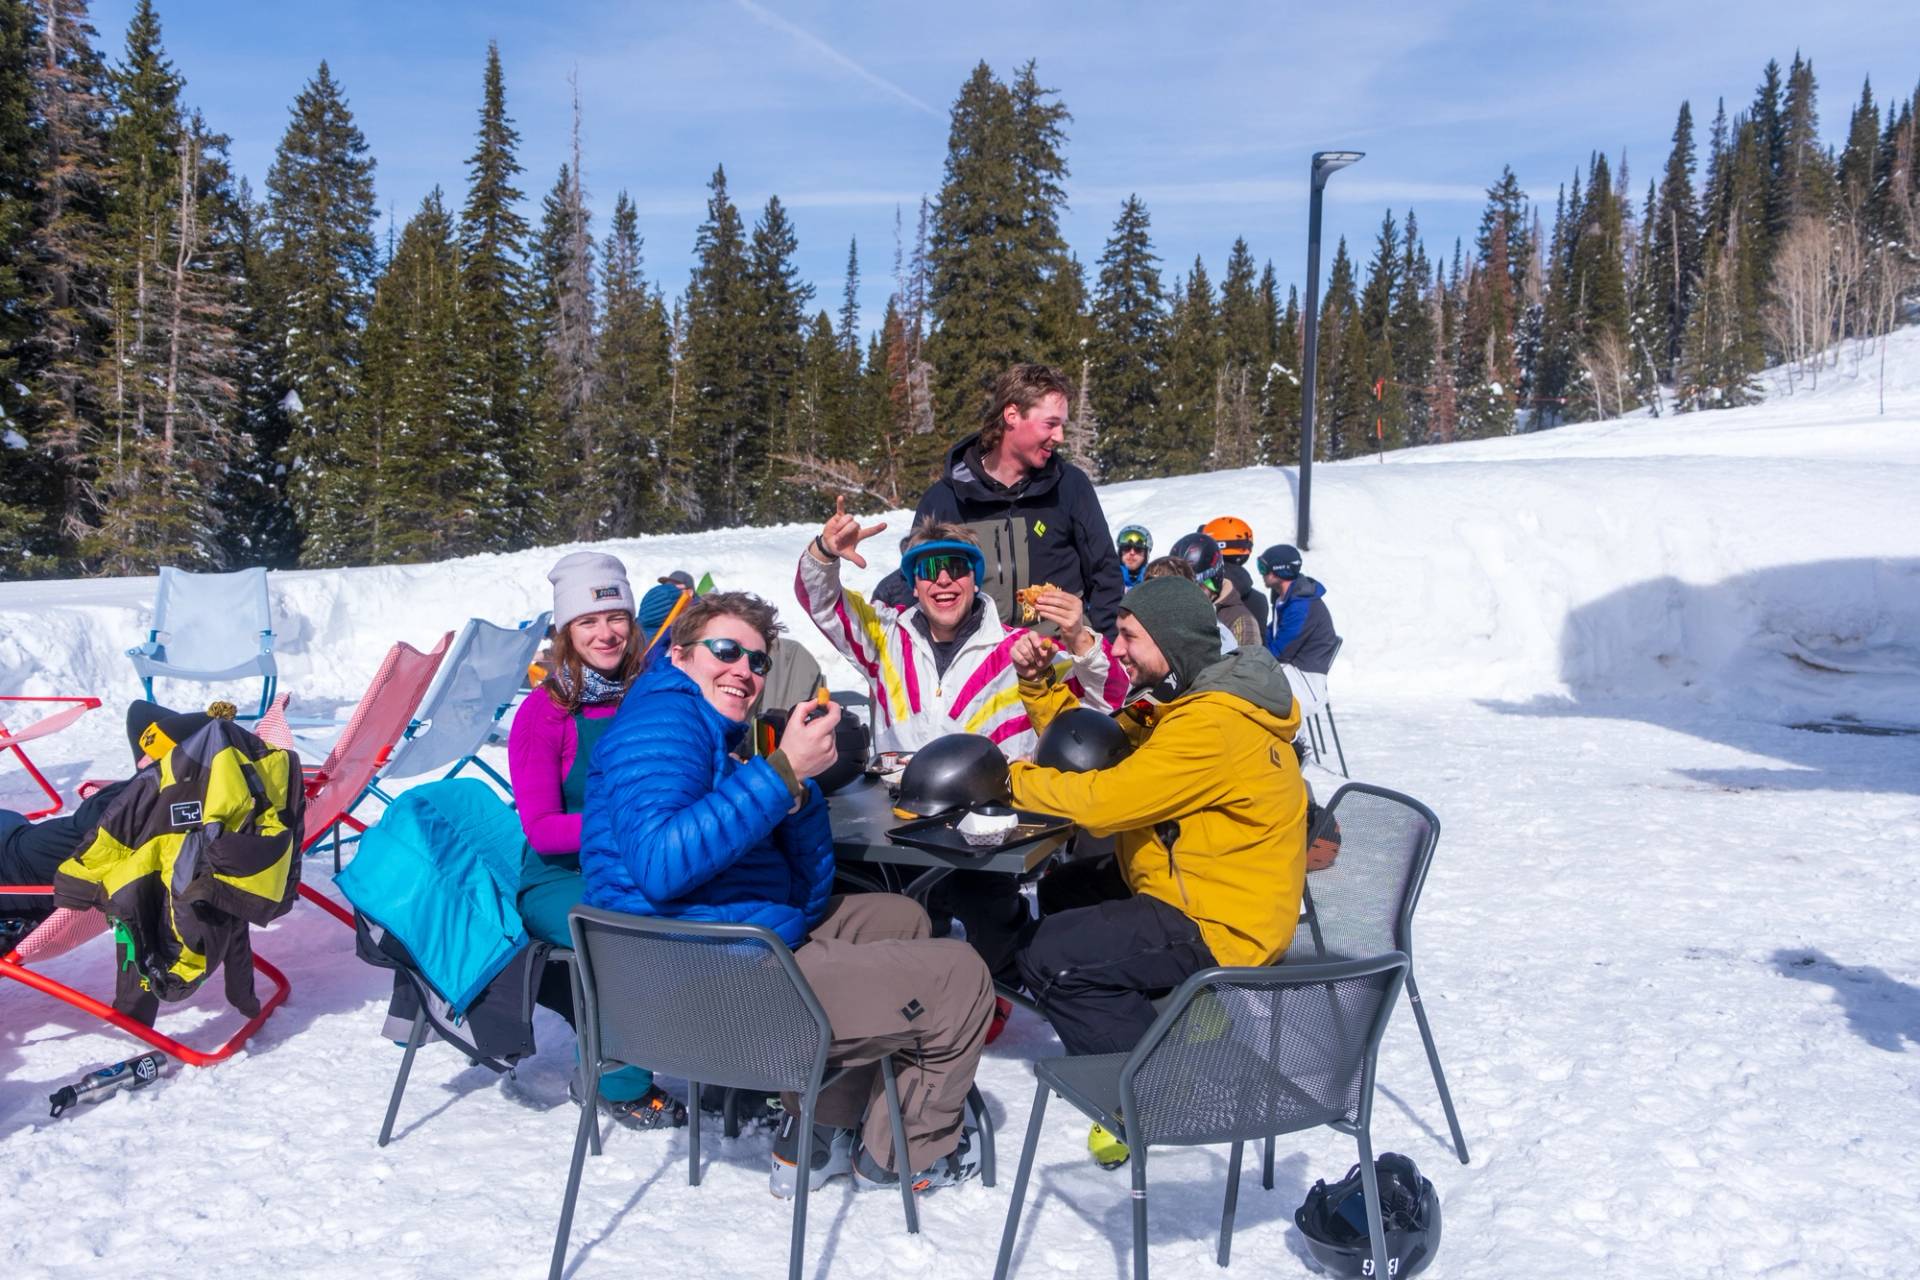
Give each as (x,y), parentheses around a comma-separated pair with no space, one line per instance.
(210,627)
(1363,904)
(711,1003)
(1317,735)
(1238,1055)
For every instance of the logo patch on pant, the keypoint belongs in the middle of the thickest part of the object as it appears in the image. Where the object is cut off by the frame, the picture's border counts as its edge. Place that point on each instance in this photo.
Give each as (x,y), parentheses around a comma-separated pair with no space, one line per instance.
(184,814)
(911,1010)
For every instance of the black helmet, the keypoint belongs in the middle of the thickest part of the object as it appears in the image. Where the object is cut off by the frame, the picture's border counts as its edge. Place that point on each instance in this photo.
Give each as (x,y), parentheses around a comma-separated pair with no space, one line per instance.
(1082,740)
(951,773)
(1201,553)
(850,738)
(1334,1220)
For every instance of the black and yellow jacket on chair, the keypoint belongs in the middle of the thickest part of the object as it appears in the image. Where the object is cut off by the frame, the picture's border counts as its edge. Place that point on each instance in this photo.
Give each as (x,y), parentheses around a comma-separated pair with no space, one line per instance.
(200,845)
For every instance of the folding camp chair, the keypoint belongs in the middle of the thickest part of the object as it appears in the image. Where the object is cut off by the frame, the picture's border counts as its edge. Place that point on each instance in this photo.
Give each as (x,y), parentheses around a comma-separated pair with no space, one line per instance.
(210,627)
(714,1004)
(1237,1055)
(10,740)
(66,929)
(345,778)
(482,675)
(1316,734)
(1363,903)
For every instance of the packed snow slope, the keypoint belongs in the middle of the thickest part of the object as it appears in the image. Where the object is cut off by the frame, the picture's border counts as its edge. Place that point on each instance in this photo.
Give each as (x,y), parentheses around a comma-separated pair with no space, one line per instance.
(1666,944)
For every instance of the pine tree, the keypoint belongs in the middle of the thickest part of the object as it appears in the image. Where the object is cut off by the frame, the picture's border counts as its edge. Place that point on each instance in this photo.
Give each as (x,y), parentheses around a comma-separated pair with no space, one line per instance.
(493,290)
(320,237)
(1673,267)
(29,475)
(563,332)
(717,367)
(635,464)
(258,525)
(1389,416)
(1805,179)
(1597,280)
(1345,383)
(779,299)
(848,334)
(1280,439)
(1189,386)
(1126,348)
(995,241)
(1855,180)
(1410,329)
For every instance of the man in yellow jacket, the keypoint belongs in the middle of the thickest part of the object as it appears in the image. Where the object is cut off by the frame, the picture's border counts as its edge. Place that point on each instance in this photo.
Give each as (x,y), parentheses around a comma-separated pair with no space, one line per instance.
(1209,815)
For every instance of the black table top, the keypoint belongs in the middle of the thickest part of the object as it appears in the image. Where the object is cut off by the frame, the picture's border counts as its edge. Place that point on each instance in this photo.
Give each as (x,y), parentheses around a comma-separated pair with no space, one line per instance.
(862,814)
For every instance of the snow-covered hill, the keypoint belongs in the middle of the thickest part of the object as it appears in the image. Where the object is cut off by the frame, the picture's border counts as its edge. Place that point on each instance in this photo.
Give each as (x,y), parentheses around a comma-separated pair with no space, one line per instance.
(1666,944)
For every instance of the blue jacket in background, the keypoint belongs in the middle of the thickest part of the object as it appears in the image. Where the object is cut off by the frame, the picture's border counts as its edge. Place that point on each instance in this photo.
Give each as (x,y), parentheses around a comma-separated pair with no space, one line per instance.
(441,870)
(1301,632)
(675,826)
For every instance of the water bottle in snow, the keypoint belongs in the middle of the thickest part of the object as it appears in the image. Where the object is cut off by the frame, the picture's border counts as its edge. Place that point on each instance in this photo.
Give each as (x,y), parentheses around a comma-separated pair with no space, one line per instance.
(134,1073)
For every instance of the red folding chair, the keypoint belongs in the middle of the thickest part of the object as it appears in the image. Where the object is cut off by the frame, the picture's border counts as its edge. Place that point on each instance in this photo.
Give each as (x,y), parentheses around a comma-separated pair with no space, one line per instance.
(379,720)
(10,740)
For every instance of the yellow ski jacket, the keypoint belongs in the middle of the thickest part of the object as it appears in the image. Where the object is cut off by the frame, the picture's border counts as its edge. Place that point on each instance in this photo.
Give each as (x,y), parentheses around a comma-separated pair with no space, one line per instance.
(1209,812)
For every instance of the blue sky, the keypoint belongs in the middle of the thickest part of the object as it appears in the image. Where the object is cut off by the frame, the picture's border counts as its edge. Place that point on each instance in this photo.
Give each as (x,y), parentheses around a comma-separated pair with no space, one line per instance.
(1208,111)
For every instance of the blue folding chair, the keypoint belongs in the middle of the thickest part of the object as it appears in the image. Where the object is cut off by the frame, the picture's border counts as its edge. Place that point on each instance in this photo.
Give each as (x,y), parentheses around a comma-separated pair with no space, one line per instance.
(477,685)
(210,627)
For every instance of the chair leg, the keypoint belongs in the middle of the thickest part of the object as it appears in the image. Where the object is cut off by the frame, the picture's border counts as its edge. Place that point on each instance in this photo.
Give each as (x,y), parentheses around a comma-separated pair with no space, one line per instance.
(901,1166)
(986,1135)
(1012,1228)
(574,1167)
(1433,1060)
(415,1038)
(797,1250)
(1139,1163)
(1370,1186)
(1266,1166)
(1313,736)
(1233,1198)
(1338,750)
(730,1113)
(693,1134)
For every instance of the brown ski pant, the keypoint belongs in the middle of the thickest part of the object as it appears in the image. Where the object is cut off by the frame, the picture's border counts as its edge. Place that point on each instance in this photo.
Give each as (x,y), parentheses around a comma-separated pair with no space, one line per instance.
(890,990)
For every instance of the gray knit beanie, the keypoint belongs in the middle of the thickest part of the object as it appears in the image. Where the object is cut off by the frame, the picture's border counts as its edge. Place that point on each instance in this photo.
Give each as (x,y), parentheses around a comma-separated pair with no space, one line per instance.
(1180,618)
(588,582)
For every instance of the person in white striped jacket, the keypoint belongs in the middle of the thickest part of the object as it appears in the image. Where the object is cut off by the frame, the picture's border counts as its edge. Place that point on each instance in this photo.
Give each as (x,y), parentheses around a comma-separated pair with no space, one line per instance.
(944,665)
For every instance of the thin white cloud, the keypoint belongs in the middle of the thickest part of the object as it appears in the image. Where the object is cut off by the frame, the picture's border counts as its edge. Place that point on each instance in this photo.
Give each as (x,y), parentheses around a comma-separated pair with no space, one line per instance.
(833,55)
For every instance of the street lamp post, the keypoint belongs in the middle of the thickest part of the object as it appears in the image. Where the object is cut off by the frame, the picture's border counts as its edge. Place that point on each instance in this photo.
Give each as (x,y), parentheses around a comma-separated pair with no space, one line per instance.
(1325,164)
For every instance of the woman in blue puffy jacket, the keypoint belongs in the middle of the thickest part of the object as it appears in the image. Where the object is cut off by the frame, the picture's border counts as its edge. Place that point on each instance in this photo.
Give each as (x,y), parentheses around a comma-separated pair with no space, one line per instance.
(677,826)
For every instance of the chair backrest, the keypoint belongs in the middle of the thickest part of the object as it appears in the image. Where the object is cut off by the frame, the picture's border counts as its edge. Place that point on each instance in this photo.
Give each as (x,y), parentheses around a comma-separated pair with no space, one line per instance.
(212,621)
(1243,1053)
(1363,904)
(717,1003)
(483,672)
(378,720)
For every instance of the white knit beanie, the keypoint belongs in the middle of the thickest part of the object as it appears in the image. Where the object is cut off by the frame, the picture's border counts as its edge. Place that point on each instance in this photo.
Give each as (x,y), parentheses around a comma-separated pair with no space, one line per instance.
(588,582)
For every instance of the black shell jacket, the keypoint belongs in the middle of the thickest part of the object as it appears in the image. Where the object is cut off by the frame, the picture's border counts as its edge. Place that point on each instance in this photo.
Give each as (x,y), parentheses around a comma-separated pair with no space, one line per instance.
(1048,529)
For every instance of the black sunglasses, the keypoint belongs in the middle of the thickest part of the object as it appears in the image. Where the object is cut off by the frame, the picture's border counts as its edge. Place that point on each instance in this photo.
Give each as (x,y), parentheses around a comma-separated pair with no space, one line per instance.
(928,568)
(731,651)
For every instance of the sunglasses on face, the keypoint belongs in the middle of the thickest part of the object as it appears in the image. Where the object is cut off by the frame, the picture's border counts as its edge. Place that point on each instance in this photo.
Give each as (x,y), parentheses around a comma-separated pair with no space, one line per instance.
(731,651)
(956,567)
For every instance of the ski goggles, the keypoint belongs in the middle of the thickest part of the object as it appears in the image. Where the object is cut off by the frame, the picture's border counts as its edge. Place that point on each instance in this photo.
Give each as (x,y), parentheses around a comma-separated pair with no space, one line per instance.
(1134,542)
(730,651)
(1278,570)
(928,560)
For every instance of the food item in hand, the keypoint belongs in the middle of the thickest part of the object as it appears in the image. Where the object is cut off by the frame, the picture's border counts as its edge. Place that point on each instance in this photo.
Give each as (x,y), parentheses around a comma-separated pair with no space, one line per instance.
(1028,598)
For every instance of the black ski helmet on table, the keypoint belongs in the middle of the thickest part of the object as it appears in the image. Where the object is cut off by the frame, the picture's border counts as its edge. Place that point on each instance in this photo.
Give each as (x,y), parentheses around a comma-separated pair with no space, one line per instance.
(1201,553)
(951,773)
(1082,740)
(1334,1220)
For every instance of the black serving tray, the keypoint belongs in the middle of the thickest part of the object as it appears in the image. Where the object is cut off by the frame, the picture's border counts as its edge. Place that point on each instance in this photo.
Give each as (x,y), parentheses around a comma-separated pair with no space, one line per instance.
(939,834)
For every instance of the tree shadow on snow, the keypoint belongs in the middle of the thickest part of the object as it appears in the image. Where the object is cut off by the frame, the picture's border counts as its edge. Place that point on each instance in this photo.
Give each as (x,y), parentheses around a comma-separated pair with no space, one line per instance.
(1881,1009)
(1832,647)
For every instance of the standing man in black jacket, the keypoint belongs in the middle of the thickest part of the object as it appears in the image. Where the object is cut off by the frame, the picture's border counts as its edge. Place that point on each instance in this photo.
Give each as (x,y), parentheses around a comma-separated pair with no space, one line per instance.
(1035,514)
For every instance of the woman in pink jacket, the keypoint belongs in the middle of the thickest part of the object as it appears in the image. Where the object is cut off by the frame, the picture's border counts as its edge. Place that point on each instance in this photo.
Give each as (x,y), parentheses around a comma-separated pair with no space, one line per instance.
(596,655)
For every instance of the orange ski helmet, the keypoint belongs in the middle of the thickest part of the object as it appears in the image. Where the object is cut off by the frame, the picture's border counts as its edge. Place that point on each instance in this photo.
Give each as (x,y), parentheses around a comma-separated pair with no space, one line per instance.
(1234,535)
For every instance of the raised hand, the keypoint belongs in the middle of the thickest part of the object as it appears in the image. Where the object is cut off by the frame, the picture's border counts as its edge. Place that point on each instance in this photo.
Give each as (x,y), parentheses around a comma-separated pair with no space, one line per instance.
(1031,655)
(809,744)
(843,533)
(1068,612)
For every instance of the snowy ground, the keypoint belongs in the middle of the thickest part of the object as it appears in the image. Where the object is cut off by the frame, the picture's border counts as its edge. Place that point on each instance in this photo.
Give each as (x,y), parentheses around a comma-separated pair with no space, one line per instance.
(1667,943)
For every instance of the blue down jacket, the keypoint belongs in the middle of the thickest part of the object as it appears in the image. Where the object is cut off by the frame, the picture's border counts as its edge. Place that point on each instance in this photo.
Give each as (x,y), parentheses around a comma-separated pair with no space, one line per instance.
(675,826)
(441,870)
